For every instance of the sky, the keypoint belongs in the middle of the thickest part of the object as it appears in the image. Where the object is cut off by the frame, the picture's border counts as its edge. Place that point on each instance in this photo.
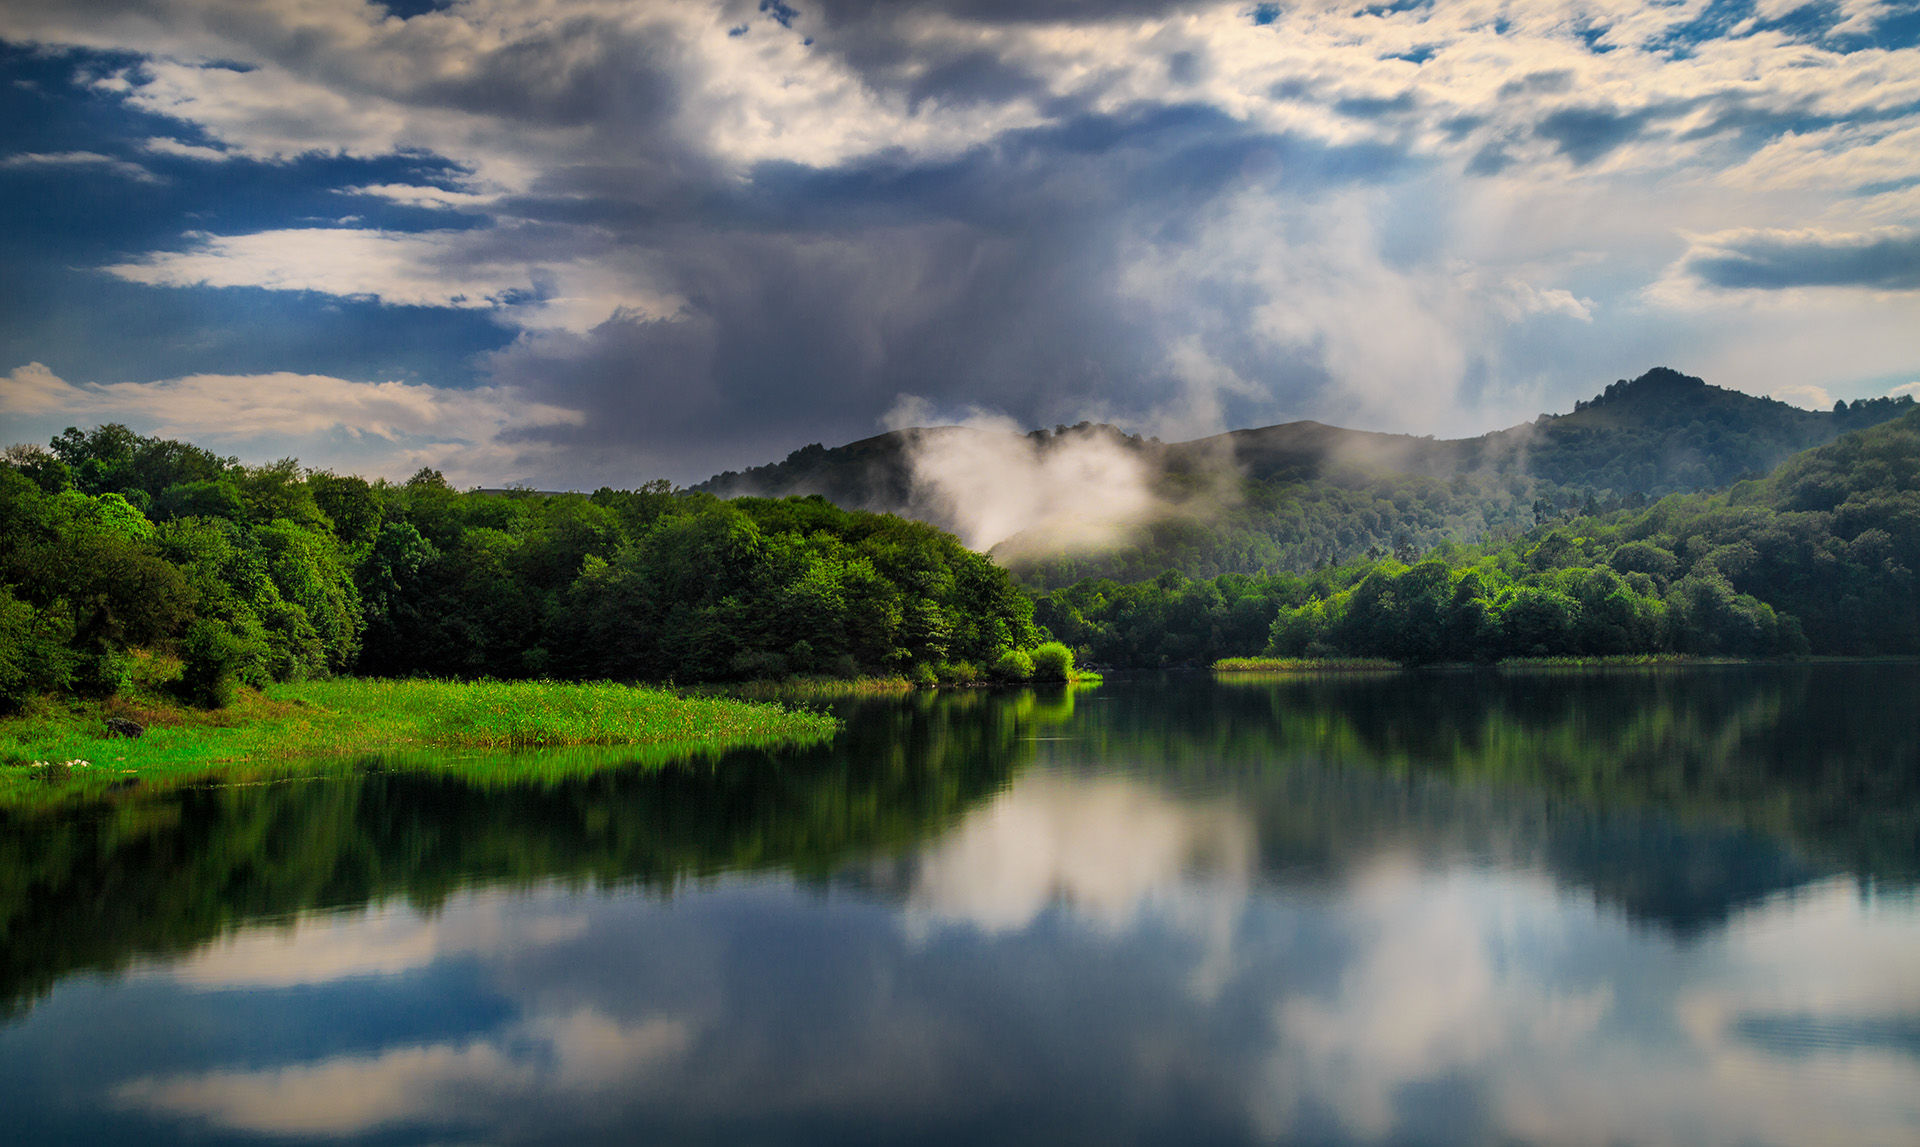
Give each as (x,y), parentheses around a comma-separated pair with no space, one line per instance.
(574,243)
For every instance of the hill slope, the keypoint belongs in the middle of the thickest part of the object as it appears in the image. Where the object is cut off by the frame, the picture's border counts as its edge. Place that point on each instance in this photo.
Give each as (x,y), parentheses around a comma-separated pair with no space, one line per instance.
(1303,494)
(1820,556)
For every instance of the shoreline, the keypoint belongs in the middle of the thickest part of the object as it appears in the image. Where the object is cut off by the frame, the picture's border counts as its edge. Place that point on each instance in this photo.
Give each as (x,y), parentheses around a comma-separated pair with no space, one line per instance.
(1305,665)
(346,718)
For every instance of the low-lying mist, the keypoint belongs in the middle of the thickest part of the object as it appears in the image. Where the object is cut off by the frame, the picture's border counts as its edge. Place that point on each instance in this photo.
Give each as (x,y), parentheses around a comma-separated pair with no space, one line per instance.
(1071,490)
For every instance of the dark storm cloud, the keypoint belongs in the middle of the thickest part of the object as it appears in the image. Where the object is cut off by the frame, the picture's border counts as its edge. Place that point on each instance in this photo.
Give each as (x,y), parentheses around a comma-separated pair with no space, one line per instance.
(1375,107)
(814,297)
(720,231)
(1775,261)
(1585,134)
(885,43)
(573,72)
(844,12)
(1552,83)
(979,77)
(1492,159)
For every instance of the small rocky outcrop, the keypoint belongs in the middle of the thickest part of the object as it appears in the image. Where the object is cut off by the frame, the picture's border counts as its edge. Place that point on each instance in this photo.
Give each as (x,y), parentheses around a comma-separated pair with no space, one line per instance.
(121,727)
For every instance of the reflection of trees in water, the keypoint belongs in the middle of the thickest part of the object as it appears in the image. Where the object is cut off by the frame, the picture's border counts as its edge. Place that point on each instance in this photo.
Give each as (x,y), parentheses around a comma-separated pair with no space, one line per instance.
(1322,823)
(156,872)
(1678,795)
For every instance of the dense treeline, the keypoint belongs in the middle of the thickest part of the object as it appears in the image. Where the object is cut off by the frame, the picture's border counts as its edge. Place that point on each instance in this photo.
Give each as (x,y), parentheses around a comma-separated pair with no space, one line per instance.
(1301,525)
(1670,433)
(121,553)
(1818,557)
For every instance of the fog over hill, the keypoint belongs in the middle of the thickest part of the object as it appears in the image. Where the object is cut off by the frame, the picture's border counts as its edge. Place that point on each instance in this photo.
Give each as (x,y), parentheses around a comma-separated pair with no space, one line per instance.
(1092,499)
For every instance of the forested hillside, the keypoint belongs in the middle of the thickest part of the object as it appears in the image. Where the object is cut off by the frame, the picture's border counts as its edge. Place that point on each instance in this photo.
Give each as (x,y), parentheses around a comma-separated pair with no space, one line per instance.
(1303,495)
(125,556)
(1820,556)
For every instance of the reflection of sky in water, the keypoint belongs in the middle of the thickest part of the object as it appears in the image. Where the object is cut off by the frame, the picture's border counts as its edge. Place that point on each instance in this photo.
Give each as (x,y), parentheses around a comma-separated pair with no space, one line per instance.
(1083,957)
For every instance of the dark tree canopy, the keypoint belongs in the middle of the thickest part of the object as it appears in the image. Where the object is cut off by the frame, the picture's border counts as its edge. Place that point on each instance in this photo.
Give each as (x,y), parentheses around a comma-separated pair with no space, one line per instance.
(1818,557)
(115,548)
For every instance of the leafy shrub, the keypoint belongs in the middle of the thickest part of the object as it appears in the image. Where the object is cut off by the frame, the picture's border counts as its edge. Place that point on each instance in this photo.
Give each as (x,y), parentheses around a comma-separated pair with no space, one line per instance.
(212,657)
(33,653)
(759,664)
(105,673)
(956,673)
(1052,661)
(1012,665)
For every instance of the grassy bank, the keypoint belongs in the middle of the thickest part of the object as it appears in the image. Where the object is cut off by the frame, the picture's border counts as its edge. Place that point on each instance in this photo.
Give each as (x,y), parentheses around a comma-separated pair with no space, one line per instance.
(318,719)
(807,688)
(1303,665)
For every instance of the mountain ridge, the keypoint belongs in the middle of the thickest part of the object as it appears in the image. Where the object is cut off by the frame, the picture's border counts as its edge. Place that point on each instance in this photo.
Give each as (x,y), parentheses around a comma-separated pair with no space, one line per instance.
(1304,493)
(867,468)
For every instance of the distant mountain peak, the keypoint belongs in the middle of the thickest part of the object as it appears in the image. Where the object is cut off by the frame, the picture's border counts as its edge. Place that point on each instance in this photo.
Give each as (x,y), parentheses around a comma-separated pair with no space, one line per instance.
(1662,382)
(1660,378)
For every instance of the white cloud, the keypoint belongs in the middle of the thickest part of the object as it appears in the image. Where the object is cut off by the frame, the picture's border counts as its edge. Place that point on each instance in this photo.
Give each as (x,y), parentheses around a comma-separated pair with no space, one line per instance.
(1105,848)
(379,428)
(412,195)
(1356,248)
(1810,397)
(342,1096)
(1472,974)
(163,145)
(421,269)
(476,270)
(581,1052)
(233,406)
(386,940)
(78,160)
(1397,340)
(1822,957)
(1421,998)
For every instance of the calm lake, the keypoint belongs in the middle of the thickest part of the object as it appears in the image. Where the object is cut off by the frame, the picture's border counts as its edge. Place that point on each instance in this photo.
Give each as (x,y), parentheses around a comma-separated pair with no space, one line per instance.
(1664,906)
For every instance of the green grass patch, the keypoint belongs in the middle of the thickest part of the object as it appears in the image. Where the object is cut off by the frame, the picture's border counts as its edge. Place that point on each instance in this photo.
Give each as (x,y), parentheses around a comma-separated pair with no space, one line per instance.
(808,688)
(357,717)
(805,688)
(1303,665)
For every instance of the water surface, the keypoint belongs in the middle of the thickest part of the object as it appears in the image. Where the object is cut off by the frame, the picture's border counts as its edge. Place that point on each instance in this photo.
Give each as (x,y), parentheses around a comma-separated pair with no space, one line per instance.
(1628,907)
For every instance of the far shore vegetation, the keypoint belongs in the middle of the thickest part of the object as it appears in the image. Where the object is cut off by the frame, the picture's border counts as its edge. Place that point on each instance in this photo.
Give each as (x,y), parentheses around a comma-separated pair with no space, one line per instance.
(133,566)
(1377,664)
(120,552)
(1818,558)
(1046,664)
(1304,665)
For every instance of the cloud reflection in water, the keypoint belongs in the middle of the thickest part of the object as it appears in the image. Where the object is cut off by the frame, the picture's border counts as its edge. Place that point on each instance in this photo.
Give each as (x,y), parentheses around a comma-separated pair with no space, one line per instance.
(1087,956)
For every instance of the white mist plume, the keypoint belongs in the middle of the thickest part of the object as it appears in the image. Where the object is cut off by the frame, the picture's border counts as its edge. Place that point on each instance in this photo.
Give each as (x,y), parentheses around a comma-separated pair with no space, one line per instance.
(991,484)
